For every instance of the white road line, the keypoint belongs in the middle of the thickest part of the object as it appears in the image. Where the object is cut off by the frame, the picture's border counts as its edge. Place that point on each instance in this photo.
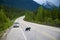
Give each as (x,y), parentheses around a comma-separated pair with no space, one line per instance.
(23,34)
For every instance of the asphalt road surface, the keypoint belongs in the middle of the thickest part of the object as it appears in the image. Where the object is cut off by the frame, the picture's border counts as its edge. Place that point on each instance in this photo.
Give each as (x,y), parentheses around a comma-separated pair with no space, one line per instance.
(37,32)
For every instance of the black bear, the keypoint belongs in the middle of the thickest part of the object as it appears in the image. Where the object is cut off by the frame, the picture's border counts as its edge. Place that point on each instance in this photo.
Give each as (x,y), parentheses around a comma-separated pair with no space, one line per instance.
(28,29)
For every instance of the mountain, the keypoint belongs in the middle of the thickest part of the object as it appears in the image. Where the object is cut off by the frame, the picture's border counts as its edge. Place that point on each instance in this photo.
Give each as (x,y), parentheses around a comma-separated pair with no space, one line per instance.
(26,4)
(23,4)
(0,2)
(49,5)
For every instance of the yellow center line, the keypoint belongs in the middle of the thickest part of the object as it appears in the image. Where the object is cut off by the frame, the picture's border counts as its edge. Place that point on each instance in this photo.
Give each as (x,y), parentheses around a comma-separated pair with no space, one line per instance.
(46,34)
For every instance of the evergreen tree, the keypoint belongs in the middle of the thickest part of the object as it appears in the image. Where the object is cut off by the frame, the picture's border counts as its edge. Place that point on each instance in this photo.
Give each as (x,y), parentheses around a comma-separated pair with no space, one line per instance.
(40,14)
(3,17)
(29,16)
(55,13)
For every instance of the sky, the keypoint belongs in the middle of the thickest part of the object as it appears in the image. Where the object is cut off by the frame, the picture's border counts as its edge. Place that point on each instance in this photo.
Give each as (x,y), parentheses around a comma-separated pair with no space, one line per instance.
(55,2)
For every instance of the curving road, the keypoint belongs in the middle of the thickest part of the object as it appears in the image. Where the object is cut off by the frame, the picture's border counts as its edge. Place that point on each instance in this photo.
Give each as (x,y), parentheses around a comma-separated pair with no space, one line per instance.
(38,32)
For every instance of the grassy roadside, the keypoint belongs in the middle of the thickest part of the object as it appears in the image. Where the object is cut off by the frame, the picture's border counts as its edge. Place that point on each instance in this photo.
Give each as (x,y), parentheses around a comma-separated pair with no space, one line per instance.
(4,26)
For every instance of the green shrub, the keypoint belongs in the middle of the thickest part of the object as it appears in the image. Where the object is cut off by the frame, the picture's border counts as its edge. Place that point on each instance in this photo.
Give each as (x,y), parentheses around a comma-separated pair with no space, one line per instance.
(57,22)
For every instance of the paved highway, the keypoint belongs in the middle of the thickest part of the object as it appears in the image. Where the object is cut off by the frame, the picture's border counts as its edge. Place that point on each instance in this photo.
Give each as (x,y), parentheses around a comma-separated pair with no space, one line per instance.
(37,32)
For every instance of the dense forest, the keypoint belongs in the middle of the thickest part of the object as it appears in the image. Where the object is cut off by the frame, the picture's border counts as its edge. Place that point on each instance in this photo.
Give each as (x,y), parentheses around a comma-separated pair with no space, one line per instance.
(7,17)
(44,16)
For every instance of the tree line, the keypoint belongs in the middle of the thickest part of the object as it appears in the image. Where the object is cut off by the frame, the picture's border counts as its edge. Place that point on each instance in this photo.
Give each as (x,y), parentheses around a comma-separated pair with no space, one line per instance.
(44,16)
